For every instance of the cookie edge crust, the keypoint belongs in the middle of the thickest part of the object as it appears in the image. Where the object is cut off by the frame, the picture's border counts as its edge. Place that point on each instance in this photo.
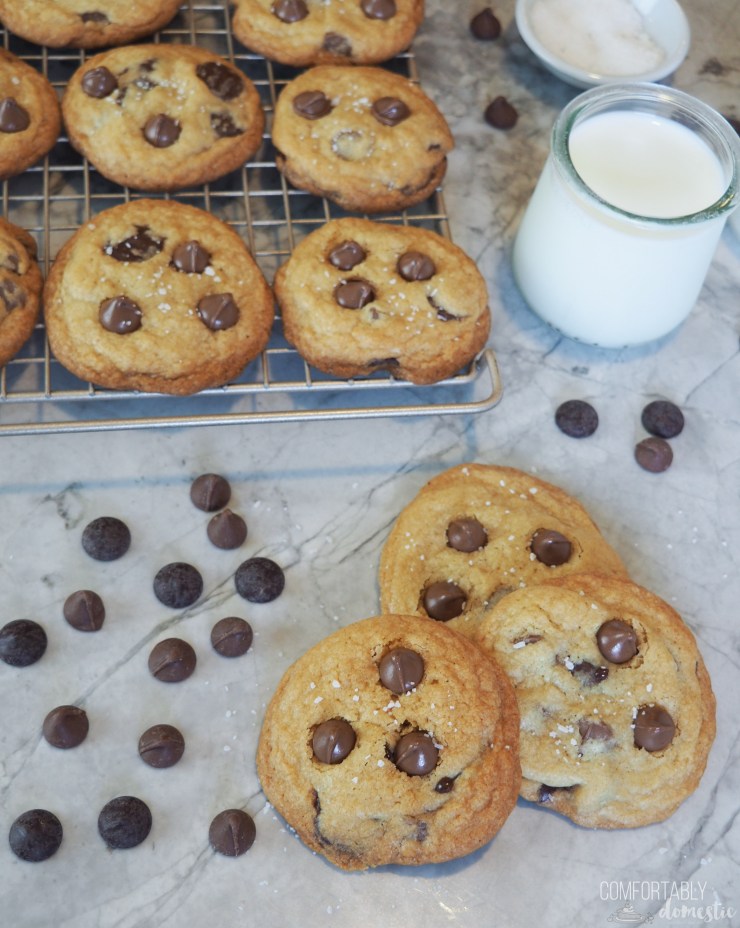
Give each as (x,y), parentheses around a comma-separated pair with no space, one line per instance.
(11,344)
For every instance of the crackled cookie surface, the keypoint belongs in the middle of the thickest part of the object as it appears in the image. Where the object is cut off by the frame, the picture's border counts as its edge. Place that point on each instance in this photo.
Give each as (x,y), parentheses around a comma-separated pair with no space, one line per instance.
(360,296)
(20,288)
(307,32)
(616,704)
(392,741)
(365,138)
(475,533)
(162,117)
(85,23)
(157,296)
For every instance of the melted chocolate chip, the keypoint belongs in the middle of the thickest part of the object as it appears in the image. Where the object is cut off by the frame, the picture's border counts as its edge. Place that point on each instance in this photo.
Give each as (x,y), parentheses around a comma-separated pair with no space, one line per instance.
(124,822)
(466,535)
(591,730)
(35,835)
(485,25)
(312,104)
(232,636)
(13,116)
(162,130)
(654,454)
(161,746)
(95,16)
(347,255)
(120,315)
(378,9)
(191,257)
(172,660)
(550,547)
(401,670)
(66,727)
(12,295)
(526,639)
(224,126)
(444,600)
(662,418)
(84,610)
(218,311)
(576,418)
(259,580)
(141,246)
(354,293)
(223,82)
(501,114)
(337,44)
(390,111)
(227,530)
(99,83)
(416,754)
(332,741)
(22,642)
(654,728)
(414,265)
(178,585)
(617,641)
(445,785)
(444,315)
(290,11)
(589,674)
(11,262)
(232,832)
(106,538)
(210,492)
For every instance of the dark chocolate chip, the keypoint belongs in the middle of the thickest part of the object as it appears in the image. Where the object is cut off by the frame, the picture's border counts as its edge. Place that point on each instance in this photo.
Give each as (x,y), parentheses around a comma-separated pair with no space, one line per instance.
(106,538)
(501,114)
(354,293)
(232,832)
(347,255)
(466,534)
(416,754)
(11,262)
(576,418)
(13,116)
(337,44)
(550,547)
(662,418)
(444,315)
(414,265)
(178,585)
(231,637)
(12,294)
(120,315)
(162,130)
(332,741)
(591,730)
(84,610)
(589,674)
(141,246)
(95,16)
(444,600)
(124,822)
(401,670)
(654,454)
(172,660)
(617,641)
(210,492)
(224,126)
(35,835)
(99,83)
(654,728)
(227,530)
(390,111)
(161,746)
(223,82)
(378,9)
(259,580)
(191,257)
(22,642)
(312,104)
(445,785)
(290,11)
(485,25)
(66,727)
(218,311)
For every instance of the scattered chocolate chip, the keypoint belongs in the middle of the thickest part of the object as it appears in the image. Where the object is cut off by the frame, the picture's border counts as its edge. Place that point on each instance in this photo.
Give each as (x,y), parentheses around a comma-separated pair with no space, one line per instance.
(66,727)
(654,728)
(332,741)
(232,832)
(312,104)
(224,126)
(500,114)
(141,246)
(106,538)
(12,295)
(22,642)
(347,255)
(191,257)
(35,835)
(162,130)
(259,580)
(591,730)
(120,315)
(218,311)
(354,293)
(444,600)
(401,670)
(161,746)
(390,111)
(550,547)
(99,83)
(13,116)
(589,674)
(231,637)
(414,265)
(124,822)
(210,492)
(337,44)
(227,530)
(95,16)
(178,585)
(416,754)
(617,641)
(576,418)
(466,534)
(224,82)
(172,660)
(84,610)
(485,25)
(662,418)
(378,9)
(654,454)
(445,785)
(290,11)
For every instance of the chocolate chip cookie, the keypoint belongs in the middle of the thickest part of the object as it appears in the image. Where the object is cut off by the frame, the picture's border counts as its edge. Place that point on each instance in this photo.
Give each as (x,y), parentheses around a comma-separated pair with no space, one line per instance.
(475,533)
(360,296)
(365,138)
(157,296)
(162,117)
(392,741)
(20,289)
(617,709)
(305,32)
(85,23)
(30,119)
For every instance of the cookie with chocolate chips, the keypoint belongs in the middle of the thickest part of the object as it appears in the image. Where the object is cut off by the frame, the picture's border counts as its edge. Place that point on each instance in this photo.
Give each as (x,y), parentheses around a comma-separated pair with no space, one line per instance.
(360,296)
(365,138)
(162,117)
(20,289)
(476,532)
(303,32)
(85,23)
(392,741)
(157,296)
(617,709)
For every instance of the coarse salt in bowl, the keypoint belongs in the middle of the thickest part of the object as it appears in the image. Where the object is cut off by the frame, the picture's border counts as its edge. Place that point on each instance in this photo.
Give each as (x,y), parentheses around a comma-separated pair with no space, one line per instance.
(591,42)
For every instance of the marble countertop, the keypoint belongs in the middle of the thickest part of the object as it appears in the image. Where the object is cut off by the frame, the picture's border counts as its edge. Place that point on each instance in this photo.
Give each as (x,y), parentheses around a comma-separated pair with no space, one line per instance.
(319,498)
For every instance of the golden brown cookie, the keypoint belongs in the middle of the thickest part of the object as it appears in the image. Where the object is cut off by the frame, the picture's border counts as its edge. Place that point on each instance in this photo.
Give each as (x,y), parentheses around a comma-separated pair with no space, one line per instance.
(162,117)
(20,289)
(360,296)
(365,138)
(392,741)
(30,119)
(308,32)
(616,704)
(156,296)
(85,23)
(478,531)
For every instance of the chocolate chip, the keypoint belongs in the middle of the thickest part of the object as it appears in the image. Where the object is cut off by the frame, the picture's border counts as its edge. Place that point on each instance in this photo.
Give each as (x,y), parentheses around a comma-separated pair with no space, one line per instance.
(525,640)
(172,660)
(162,130)
(106,538)
(654,454)
(444,600)
(466,535)
(22,642)
(232,832)
(124,822)
(161,746)
(662,418)
(333,741)
(354,293)
(178,585)
(141,246)
(378,9)
(388,364)
(617,641)
(227,530)
(654,728)
(416,754)
(547,793)
(337,44)
(390,111)
(231,637)
(95,16)
(589,674)
(500,114)
(99,83)
(550,547)
(35,835)
(191,257)
(218,311)
(84,610)
(223,82)
(485,25)
(13,116)
(347,255)
(444,315)
(401,670)
(120,315)
(11,262)
(224,126)
(290,11)
(576,418)
(12,295)
(66,727)
(259,580)
(445,785)
(591,730)
(210,492)
(414,265)
(312,104)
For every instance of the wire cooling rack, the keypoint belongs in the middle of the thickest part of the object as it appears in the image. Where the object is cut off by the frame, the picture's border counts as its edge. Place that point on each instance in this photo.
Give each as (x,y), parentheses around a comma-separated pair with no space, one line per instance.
(56,196)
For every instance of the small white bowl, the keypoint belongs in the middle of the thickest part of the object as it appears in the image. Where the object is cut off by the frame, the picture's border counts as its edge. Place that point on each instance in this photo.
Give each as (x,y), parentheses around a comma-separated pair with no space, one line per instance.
(665,23)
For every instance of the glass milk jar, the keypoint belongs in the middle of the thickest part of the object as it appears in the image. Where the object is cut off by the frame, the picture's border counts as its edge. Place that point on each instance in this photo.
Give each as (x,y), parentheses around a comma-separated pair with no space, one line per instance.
(616,241)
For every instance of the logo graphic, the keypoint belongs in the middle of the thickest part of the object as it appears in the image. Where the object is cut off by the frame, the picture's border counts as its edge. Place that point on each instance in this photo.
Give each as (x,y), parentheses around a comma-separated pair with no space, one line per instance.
(627,916)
